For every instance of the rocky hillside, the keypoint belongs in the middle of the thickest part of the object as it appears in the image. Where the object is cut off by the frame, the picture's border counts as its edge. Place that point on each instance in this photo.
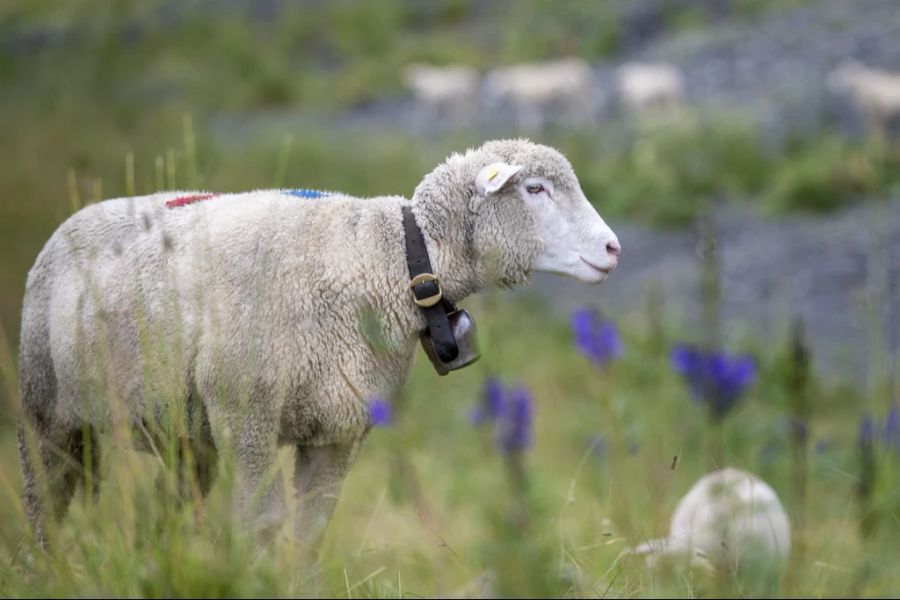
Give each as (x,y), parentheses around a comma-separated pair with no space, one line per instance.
(838,273)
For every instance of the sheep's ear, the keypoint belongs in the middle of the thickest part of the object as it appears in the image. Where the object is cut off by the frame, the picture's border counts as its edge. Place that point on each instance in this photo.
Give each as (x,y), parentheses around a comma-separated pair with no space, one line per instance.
(493,177)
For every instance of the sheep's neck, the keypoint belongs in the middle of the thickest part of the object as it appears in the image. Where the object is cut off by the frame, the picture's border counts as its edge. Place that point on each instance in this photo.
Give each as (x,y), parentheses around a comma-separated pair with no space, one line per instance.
(456,274)
(450,259)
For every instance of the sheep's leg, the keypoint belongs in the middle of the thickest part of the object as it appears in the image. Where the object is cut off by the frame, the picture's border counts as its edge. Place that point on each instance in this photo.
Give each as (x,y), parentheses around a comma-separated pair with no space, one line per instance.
(197,454)
(205,463)
(319,473)
(260,495)
(247,435)
(195,467)
(51,468)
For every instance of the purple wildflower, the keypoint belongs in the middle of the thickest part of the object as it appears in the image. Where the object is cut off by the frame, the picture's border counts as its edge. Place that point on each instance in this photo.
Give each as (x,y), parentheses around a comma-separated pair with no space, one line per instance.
(715,378)
(511,413)
(866,434)
(892,428)
(595,337)
(597,445)
(799,427)
(379,412)
(491,405)
(515,428)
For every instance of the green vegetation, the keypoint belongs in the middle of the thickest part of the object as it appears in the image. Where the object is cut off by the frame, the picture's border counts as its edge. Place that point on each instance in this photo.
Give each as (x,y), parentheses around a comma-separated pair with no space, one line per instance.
(82,88)
(668,172)
(111,105)
(429,508)
(663,173)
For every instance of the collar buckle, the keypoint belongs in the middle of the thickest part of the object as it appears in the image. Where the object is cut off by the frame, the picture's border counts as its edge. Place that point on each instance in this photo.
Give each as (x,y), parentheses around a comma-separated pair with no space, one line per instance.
(424,279)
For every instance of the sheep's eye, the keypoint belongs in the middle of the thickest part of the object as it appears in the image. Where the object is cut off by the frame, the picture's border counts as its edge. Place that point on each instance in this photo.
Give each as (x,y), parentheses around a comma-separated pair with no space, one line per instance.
(534,188)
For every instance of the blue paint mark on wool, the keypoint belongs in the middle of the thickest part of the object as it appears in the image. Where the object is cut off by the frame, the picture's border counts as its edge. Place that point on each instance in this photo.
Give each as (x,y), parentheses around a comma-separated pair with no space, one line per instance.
(307,193)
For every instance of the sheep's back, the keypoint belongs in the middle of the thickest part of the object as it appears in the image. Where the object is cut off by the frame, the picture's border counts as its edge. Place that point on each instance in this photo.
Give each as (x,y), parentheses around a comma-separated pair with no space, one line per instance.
(265,283)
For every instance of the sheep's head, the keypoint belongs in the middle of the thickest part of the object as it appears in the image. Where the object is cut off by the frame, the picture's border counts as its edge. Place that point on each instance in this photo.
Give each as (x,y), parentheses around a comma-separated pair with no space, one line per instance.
(528,213)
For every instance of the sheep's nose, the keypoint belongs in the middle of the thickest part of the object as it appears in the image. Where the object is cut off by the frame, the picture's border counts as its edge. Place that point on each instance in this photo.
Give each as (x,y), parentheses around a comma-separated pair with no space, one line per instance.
(614,248)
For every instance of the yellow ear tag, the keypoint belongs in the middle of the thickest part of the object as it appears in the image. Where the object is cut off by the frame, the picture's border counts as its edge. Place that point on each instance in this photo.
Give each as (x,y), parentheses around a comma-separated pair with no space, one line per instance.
(493,173)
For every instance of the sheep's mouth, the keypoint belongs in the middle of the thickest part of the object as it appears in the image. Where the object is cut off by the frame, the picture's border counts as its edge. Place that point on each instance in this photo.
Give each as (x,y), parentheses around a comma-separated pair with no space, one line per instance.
(604,270)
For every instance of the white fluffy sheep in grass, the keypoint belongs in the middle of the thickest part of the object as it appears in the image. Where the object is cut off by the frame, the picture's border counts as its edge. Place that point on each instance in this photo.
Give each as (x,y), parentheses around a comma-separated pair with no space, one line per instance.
(443,94)
(534,89)
(647,86)
(251,316)
(876,92)
(727,517)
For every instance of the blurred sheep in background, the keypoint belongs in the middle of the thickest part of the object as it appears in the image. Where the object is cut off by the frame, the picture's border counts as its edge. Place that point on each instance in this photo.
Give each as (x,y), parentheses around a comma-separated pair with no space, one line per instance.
(649,86)
(443,94)
(728,517)
(564,88)
(875,92)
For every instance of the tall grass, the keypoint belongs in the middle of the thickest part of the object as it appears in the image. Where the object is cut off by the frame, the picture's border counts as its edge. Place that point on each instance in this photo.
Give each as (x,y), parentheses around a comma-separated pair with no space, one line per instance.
(585,504)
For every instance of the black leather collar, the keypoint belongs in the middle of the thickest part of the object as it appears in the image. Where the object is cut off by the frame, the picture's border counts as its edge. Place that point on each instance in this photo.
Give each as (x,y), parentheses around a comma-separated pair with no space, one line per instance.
(426,290)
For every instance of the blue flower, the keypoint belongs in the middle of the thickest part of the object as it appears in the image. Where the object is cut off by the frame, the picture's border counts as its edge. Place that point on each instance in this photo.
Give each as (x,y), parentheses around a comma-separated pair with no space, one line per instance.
(595,337)
(715,378)
(515,433)
(597,445)
(866,434)
(892,428)
(491,405)
(887,434)
(510,411)
(379,412)
(799,426)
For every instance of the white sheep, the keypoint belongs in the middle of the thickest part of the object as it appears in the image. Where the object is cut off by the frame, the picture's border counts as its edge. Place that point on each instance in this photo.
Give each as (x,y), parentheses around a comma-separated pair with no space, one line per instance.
(443,94)
(648,86)
(876,92)
(533,90)
(727,516)
(252,316)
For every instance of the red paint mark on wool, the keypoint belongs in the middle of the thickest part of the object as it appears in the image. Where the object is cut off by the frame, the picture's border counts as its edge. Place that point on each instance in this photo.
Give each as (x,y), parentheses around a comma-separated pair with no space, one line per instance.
(185,200)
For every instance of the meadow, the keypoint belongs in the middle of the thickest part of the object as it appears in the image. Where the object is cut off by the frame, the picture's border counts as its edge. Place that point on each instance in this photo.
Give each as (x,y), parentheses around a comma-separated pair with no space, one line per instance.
(435,505)
(441,502)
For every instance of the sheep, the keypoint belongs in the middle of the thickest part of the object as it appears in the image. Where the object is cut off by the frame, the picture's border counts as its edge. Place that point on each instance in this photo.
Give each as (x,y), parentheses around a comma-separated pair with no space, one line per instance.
(726,517)
(647,86)
(876,92)
(443,94)
(264,306)
(533,89)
